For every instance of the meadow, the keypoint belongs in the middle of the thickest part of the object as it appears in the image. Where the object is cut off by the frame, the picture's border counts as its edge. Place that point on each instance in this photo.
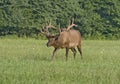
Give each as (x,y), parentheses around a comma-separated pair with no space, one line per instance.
(28,61)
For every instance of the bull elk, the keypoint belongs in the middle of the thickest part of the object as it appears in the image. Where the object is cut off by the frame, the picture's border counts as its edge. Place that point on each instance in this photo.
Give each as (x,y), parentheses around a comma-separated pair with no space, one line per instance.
(68,38)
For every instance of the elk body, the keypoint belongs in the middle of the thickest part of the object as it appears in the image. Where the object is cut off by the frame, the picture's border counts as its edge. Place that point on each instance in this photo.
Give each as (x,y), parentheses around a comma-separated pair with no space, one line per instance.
(69,39)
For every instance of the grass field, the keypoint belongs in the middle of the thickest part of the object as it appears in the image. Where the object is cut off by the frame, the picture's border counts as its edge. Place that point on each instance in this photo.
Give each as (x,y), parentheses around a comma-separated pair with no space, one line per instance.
(27,61)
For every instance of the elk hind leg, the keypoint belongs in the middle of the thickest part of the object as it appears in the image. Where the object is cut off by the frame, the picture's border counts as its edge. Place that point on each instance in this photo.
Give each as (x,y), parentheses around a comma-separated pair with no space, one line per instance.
(74,52)
(80,50)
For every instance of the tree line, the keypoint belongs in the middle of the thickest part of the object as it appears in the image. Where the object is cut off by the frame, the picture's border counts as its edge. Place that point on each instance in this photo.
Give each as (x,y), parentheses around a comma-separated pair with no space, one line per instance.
(96,19)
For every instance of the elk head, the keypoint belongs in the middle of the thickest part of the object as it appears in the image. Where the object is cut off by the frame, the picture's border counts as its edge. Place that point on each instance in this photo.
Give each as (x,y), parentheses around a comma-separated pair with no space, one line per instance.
(51,38)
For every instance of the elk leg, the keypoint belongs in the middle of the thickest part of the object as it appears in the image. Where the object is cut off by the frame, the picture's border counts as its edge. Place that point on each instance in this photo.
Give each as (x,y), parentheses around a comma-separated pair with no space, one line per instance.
(80,50)
(67,49)
(54,52)
(74,52)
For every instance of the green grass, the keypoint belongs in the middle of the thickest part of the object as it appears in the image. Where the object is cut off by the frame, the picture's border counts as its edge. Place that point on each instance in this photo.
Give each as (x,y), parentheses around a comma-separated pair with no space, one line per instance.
(28,62)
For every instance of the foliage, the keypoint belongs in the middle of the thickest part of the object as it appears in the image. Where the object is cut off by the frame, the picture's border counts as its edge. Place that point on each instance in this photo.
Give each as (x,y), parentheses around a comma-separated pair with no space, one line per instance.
(97,19)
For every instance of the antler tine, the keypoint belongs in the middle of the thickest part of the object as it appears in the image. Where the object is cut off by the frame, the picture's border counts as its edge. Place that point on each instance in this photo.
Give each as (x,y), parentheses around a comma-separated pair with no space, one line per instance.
(72,20)
(59,28)
(44,30)
(41,30)
(70,26)
(50,25)
(50,21)
(69,23)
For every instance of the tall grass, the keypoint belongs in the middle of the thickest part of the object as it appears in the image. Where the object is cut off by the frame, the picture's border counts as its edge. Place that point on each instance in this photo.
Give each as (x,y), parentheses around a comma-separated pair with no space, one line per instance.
(28,62)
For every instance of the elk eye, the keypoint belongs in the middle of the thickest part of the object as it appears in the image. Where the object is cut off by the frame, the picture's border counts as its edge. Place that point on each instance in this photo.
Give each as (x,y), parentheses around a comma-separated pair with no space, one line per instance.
(56,38)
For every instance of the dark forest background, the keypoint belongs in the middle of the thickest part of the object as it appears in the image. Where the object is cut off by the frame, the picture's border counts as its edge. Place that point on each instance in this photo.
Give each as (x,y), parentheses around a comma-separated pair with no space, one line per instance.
(96,19)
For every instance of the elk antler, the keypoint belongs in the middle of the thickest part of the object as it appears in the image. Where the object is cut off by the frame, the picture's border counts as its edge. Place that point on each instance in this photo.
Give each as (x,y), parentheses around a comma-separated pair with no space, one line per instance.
(50,26)
(70,26)
(45,30)
(59,28)
(42,30)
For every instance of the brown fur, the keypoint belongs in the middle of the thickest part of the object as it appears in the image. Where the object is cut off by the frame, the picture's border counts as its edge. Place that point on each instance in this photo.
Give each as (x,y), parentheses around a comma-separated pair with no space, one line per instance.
(68,39)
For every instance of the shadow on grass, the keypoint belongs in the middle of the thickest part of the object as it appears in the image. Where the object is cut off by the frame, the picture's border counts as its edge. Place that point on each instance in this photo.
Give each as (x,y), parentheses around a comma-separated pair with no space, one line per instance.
(36,58)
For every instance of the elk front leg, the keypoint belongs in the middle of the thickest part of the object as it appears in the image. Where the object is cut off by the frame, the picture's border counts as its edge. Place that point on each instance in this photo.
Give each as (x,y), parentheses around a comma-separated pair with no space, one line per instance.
(67,49)
(54,52)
